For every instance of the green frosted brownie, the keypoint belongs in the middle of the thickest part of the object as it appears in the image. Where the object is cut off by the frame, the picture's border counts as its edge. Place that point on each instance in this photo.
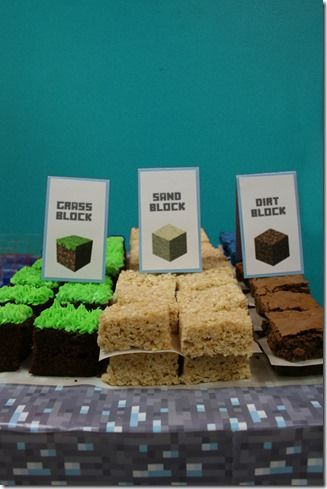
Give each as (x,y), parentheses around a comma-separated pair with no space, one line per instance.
(92,295)
(35,297)
(31,276)
(38,264)
(16,325)
(65,342)
(115,255)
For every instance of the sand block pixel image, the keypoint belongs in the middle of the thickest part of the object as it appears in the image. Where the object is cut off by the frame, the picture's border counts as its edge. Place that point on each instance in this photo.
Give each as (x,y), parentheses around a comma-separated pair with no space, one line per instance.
(271,247)
(74,252)
(169,242)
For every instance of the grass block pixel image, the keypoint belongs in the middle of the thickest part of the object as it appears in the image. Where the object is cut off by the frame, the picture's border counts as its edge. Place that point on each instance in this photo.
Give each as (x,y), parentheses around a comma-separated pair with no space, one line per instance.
(271,247)
(169,242)
(74,252)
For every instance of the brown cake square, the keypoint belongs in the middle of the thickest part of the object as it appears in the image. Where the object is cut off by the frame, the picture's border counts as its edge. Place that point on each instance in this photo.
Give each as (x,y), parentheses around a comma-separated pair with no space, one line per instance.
(284,301)
(15,337)
(296,335)
(293,283)
(62,353)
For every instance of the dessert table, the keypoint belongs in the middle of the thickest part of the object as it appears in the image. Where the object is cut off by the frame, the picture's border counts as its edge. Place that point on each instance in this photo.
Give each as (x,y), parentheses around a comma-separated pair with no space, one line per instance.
(267,430)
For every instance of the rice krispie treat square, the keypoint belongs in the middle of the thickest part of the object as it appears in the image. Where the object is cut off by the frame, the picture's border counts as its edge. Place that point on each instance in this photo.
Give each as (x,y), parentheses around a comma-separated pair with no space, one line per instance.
(206,279)
(143,369)
(227,297)
(128,278)
(141,287)
(136,325)
(208,332)
(204,236)
(152,297)
(211,257)
(133,259)
(214,369)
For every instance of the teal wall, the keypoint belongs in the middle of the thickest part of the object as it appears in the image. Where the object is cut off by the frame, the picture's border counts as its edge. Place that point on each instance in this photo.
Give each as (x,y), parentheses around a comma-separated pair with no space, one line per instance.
(98,88)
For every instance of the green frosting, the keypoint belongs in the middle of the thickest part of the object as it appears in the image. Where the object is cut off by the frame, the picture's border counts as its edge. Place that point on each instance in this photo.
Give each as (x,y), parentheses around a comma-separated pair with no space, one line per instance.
(38,264)
(14,313)
(69,319)
(88,293)
(115,255)
(72,242)
(25,294)
(31,276)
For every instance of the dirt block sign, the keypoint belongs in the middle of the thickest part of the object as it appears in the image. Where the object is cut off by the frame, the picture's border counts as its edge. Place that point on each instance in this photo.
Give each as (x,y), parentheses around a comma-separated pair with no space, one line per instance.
(268,224)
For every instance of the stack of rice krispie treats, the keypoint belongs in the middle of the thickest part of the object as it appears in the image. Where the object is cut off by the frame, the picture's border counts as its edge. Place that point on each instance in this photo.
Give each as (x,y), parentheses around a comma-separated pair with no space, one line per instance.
(215,327)
(201,315)
(144,316)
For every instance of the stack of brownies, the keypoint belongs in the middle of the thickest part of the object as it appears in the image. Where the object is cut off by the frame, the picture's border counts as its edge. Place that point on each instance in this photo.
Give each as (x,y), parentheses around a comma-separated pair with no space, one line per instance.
(293,319)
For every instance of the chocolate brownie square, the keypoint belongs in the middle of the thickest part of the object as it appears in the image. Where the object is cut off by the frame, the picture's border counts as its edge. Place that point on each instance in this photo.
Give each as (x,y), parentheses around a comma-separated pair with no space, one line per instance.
(267,285)
(284,301)
(296,335)
(16,325)
(62,353)
(65,342)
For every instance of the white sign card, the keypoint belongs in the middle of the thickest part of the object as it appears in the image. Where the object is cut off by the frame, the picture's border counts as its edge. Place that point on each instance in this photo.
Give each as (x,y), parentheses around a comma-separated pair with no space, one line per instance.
(75,229)
(269,223)
(169,220)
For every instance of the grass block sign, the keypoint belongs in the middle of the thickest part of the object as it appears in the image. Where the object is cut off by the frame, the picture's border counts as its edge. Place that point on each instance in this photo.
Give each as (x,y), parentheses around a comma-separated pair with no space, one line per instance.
(169,220)
(268,231)
(75,230)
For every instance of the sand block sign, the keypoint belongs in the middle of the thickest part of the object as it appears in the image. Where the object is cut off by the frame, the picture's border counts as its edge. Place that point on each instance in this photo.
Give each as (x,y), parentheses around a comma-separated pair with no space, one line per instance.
(169,220)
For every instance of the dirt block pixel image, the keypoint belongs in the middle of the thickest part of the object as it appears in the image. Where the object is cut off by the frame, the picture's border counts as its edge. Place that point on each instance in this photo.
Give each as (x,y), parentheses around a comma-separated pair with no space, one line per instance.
(169,242)
(271,247)
(74,252)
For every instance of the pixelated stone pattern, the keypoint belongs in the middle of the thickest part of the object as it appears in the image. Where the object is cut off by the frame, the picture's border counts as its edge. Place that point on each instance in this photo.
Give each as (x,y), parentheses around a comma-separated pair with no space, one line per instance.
(231,436)
(271,247)
(169,242)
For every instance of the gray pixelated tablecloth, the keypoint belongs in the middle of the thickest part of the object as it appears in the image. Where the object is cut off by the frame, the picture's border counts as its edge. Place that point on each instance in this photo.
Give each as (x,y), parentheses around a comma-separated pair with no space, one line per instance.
(87,435)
